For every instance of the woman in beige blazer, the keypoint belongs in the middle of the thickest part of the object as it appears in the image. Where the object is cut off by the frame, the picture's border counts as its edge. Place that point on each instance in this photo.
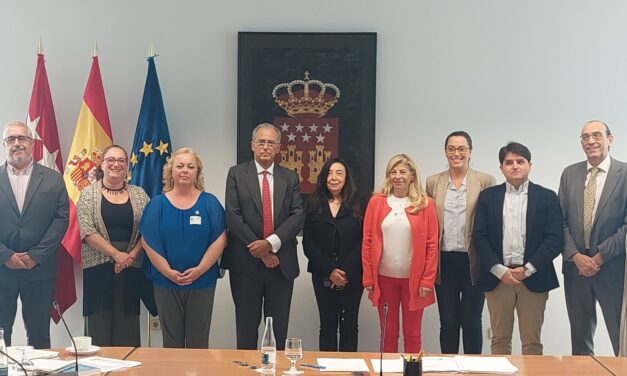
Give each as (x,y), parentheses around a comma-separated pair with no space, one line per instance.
(455,192)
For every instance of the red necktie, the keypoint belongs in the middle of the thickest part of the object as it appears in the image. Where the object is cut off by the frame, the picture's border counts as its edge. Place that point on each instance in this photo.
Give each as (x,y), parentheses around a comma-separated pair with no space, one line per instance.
(267,206)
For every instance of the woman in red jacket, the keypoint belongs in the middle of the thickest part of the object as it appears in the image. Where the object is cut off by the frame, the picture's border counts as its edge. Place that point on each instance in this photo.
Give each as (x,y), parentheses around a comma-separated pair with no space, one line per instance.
(400,252)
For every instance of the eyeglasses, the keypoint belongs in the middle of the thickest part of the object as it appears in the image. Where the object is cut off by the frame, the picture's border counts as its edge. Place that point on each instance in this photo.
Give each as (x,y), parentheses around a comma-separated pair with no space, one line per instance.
(262,143)
(596,136)
(460,149)
(111,161)
(21,139)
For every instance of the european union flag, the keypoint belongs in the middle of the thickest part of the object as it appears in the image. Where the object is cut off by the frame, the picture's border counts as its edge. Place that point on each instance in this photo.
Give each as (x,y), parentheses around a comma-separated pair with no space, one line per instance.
(151,145)
(151,148)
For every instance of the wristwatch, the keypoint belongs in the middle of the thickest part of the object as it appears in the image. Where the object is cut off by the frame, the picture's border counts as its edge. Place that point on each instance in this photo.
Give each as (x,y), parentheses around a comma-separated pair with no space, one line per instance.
(528,272)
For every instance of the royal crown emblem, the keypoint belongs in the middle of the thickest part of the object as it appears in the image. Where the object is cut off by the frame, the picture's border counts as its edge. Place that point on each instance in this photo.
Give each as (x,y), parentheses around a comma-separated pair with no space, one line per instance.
(306,98)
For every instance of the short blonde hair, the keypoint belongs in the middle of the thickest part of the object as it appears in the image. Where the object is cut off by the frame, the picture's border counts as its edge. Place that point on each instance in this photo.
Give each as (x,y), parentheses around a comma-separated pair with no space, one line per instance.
(168,181)
(417,196)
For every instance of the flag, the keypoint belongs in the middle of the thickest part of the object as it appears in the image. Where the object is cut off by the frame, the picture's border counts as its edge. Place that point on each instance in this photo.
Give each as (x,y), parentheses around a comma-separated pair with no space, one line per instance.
(47,151)
(151,148)
(151,145)
(91,136)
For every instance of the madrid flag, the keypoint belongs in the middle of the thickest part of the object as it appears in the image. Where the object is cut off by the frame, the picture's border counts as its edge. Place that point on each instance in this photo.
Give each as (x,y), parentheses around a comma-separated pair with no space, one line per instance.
(47,151)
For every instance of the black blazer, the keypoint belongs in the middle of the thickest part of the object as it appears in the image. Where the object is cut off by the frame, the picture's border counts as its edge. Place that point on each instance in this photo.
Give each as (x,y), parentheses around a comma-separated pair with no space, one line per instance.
(320,236)
(245,222)
(544,239)
(38,229)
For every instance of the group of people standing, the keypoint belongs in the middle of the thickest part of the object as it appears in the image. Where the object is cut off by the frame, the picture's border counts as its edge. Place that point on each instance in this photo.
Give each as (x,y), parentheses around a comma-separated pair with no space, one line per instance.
(461,238)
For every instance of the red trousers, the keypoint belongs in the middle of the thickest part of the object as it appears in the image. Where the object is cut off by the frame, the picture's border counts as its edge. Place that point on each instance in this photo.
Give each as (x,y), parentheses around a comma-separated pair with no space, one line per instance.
(395,292)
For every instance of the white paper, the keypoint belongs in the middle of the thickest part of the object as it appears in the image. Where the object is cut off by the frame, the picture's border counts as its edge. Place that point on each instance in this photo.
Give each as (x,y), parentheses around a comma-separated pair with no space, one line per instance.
(31,353)
(343,364)
(439,364)
(51,364)
(485,364)
(389,365)
(108,364)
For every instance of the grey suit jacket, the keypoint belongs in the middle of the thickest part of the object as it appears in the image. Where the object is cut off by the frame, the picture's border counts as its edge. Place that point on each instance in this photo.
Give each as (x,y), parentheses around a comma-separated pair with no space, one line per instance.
(610,220)
(38,230)
(245,222)
(476,182)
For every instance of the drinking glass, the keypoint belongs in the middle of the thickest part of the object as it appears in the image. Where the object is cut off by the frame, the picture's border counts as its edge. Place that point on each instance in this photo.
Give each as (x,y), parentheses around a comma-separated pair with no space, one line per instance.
(28,364)
(293,352)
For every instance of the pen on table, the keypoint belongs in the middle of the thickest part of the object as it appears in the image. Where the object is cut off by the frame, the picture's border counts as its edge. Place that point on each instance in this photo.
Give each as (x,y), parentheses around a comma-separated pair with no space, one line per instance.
(312,366)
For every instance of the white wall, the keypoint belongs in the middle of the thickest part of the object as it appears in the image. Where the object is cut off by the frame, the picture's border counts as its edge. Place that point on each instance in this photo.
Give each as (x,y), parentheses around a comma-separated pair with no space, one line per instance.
(531,71)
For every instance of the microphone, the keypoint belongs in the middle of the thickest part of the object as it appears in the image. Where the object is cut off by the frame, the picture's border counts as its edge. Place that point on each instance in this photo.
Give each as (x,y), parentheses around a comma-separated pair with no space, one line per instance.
(385,319)
(58,309)
(14,361)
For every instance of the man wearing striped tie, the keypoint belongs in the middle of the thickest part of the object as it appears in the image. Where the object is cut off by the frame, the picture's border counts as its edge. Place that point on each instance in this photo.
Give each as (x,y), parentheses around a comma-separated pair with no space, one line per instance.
(593,196)
(264,213)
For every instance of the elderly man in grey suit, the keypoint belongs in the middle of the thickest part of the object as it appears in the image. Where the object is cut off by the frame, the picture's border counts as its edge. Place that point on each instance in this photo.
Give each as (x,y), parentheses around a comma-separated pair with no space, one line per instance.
(264,213)
(593,196)
(34,217)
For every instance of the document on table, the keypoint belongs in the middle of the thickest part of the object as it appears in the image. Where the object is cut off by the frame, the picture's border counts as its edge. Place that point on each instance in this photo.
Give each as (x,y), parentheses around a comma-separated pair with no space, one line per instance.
(343,364)
(485,364)
(104,364)
(51,365)
(439,364)
(389,365)
(31,354)
(108,364)
(468,364)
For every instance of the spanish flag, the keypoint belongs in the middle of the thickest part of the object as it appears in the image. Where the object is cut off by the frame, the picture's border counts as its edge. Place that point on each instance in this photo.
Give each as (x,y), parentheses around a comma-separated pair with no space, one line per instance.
(91,136)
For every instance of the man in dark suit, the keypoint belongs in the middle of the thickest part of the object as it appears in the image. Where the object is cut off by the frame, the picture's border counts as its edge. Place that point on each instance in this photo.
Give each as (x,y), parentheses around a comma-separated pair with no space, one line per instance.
(517,234)
(264,213)
(34,207)
(593,196)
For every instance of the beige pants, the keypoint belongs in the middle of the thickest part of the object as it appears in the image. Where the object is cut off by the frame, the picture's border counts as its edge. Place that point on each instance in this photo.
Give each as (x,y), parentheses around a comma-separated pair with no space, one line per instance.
(502,301)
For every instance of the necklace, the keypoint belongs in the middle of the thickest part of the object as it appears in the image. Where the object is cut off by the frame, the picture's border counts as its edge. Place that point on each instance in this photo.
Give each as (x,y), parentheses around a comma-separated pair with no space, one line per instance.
(114,191)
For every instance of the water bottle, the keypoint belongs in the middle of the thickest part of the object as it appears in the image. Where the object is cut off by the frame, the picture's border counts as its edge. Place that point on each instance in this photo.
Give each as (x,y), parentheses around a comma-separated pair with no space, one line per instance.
(4,361)
(268,348)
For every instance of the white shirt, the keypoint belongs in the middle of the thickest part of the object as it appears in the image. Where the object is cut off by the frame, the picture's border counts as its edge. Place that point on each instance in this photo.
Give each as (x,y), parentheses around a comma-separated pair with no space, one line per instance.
(514,228)
(274,239)
(397,246)
(19,182)
(454,218)
(604,167)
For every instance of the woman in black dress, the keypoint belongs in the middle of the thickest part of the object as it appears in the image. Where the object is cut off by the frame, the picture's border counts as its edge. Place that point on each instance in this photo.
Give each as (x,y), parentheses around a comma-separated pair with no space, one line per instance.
(332,242)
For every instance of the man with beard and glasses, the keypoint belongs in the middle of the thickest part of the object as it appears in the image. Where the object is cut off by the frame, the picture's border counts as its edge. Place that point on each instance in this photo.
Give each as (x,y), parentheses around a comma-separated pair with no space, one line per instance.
(35,215)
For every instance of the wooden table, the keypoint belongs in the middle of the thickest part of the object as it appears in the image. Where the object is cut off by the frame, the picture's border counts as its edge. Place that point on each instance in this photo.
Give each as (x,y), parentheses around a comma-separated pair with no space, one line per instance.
(617,366)
(557,365)
(220,362)
(191,362)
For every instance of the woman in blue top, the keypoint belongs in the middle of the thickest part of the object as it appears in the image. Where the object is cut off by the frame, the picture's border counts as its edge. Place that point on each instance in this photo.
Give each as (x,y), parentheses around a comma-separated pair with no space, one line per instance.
(183,235)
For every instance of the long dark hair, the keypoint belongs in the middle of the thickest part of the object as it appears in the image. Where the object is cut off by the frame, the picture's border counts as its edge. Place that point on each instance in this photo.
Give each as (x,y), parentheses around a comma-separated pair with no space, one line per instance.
(321,196)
